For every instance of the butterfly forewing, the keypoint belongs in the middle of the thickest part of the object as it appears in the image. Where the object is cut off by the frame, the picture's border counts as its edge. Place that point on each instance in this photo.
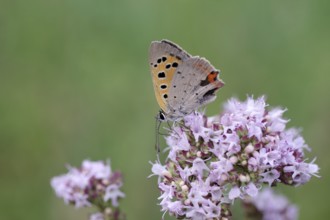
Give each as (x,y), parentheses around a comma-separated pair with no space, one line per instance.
(164,58)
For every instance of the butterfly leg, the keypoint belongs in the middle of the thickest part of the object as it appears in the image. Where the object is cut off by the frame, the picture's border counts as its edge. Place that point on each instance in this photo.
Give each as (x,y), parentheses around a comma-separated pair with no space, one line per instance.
(169,125)
(157,128)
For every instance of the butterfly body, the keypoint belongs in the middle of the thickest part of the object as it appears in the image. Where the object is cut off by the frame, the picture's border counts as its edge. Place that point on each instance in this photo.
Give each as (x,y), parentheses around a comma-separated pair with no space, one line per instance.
(182,82)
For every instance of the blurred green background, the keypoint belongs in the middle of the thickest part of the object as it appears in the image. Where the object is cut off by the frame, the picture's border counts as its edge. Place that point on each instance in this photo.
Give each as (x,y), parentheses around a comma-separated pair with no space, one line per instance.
(75,84)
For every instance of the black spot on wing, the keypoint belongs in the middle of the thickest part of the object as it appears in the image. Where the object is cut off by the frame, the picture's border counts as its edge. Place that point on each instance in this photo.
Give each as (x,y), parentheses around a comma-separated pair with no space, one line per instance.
(161,75)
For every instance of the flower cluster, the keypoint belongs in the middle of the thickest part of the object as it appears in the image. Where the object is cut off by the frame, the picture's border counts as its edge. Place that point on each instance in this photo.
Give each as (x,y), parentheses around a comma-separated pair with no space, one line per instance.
(270,206)
(91,184)
(212,161)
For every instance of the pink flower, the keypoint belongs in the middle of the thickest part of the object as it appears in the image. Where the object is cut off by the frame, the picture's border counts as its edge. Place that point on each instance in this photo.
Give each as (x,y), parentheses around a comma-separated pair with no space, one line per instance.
(113,193)
(273,207)
(96,216)
(234,193)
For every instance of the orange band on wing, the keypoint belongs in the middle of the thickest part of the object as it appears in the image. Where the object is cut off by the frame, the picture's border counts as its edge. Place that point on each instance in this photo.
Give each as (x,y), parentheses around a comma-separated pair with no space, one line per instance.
(212,76)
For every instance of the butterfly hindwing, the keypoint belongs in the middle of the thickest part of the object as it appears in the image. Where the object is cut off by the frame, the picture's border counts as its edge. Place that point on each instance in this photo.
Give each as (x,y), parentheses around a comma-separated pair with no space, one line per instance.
(194,85)
(164,59)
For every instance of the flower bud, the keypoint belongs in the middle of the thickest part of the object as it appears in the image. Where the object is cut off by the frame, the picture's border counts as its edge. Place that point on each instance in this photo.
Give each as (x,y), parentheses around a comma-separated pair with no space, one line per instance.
(106,182)
(249,149)
(243,178)
(108,211)
(233,159)
(187,202)
(223,177)
(99,187)
(184,188)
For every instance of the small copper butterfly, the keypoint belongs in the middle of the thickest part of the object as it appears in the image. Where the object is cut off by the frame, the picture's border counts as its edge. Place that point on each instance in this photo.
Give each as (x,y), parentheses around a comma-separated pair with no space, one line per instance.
(182,82)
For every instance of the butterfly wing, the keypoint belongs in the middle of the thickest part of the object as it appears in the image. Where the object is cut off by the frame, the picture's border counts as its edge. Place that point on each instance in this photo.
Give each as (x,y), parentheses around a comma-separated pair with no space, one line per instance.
(164,59)
(194,85)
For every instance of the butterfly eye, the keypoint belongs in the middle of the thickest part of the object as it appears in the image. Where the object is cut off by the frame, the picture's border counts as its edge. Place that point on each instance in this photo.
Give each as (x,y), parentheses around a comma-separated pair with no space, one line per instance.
(161,116)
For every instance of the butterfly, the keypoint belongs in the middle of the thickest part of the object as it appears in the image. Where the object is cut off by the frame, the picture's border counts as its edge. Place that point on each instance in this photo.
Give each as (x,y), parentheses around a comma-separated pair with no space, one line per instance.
(182,82)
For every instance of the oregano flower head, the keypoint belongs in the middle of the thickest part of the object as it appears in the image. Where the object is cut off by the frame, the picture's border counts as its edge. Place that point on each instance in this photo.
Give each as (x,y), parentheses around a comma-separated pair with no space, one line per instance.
(214,160)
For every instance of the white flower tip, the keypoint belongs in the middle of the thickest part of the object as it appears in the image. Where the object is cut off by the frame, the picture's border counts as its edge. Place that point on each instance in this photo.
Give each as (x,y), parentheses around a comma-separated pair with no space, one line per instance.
(187,202)
(223,177)
(108,211)
(105,182)
(233,159)
(244,178)
(184,188)
(249,149)
(99,187)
